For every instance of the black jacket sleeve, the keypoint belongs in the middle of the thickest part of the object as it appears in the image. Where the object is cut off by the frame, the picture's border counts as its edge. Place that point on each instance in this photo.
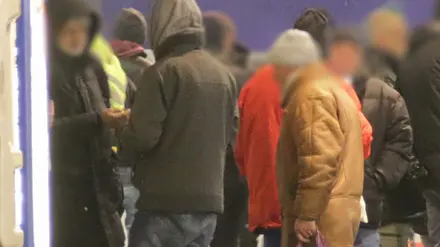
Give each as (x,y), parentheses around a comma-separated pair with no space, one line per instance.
(125,155)
(80,125)
(236,115)
(428,144)
(150,110)
(396,155)
(130,93)
(235,127)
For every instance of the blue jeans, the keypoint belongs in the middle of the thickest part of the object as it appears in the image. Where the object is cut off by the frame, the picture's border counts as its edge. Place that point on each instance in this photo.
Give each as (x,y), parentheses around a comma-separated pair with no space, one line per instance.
(367,238)
(172,230)
(131,195)
(272,237)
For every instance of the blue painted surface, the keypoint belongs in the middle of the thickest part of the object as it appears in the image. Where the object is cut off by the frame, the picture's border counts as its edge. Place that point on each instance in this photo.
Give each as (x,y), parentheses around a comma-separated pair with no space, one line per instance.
(258,26)
(23,62)
(260,21)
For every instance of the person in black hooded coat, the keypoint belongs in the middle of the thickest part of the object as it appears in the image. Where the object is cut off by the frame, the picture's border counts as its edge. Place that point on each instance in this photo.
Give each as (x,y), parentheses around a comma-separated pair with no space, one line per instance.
(86,193)
(419,82)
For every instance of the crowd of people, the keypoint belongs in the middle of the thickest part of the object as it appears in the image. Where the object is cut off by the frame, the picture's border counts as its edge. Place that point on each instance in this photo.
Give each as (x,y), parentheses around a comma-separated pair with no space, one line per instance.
(333,137)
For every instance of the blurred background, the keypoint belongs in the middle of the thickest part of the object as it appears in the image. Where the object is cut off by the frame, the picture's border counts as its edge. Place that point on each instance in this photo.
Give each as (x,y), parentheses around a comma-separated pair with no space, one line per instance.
(260,21)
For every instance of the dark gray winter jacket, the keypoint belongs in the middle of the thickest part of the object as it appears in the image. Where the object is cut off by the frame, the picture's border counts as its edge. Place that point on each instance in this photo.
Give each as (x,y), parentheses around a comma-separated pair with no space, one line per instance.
(381,64)
(391,150)
(182,118)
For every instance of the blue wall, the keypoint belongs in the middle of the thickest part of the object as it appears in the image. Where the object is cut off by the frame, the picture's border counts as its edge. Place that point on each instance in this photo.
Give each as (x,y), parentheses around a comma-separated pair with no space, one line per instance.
(260,21)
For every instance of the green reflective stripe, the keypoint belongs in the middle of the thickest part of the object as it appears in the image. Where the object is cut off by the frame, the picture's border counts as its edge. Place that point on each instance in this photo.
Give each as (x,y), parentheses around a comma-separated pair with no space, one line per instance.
(117,97)
(117,83)
(117,92)
(116,105)
(117,79)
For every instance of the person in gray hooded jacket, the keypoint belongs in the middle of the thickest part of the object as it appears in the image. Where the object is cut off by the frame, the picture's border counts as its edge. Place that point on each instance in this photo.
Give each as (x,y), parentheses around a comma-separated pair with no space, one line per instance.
(181,124)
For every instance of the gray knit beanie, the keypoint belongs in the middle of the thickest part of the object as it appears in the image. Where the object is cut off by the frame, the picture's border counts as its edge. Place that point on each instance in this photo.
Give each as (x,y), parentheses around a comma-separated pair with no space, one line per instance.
(131,26)
(294,48)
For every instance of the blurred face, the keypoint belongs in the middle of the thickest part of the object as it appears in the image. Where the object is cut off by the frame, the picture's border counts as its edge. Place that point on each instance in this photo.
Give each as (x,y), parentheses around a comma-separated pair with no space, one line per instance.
(392,38)
(281,73)
(74,36)
(345,57)
(397,38)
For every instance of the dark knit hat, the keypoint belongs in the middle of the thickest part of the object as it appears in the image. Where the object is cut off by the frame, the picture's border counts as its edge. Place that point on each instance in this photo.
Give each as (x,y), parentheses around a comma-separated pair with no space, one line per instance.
(217,26)
(240,55)
(214,33)
(318,23)
(131,26)
(59,12)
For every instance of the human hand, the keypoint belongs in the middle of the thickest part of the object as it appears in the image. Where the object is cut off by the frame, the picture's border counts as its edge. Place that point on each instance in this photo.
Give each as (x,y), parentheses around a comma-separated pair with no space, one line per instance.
(111,117)
(123,119)
(305,230)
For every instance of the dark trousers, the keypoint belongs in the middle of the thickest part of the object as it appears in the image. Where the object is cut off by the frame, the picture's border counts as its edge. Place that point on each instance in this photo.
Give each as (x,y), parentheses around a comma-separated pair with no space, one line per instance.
(231,228)
(75,223)
(170,230)
(272,237)
(247,238)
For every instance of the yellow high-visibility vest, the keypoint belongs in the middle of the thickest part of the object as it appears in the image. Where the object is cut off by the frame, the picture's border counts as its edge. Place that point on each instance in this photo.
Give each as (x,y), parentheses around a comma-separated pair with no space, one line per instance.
(117,78)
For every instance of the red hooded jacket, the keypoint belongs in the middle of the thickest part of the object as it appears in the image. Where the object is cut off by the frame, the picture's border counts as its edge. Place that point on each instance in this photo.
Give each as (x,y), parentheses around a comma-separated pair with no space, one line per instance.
(260,125)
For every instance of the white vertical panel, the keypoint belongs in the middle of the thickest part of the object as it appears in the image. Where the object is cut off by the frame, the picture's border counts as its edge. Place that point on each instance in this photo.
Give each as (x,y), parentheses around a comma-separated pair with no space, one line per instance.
(10,157)
(40,127)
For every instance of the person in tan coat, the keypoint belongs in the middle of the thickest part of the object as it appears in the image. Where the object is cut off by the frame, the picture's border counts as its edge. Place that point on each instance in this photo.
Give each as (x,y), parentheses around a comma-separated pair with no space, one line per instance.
(320,157)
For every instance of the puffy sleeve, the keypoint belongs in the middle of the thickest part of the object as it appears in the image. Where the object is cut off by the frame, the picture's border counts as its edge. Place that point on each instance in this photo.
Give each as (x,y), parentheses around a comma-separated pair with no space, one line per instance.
(367,134)
(258,132)
(319,140)
(396,155)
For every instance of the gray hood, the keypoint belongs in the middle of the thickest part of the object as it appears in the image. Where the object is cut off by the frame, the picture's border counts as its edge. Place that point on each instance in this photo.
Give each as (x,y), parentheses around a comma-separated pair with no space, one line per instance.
(171,17)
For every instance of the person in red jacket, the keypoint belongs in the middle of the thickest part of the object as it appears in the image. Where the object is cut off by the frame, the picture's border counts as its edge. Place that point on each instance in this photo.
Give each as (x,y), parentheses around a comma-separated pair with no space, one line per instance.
(260,124)
(260,120)
(344,58)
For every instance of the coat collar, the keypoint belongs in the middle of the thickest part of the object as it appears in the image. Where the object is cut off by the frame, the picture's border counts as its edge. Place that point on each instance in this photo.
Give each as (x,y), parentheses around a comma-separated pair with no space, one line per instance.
(388,58)
(179,44)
